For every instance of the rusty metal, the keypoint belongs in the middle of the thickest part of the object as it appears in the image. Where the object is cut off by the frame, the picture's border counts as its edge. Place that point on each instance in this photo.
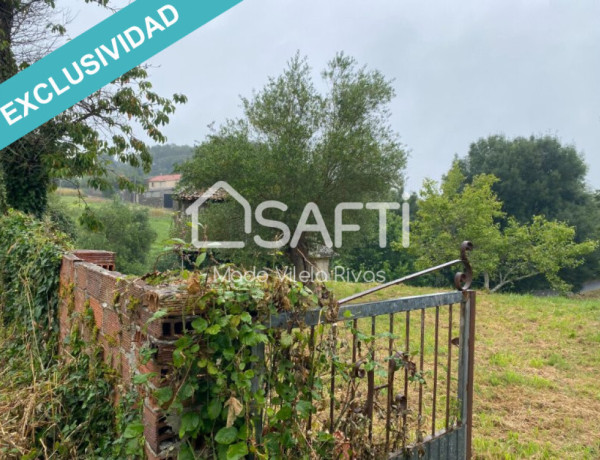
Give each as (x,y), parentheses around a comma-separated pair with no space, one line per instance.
(435,369)
(363,407)
(471,371)
(371,383)
(421,363)
(407,348)
(462,280)
(449,368)
(311,346)
(332,388)
(390,385)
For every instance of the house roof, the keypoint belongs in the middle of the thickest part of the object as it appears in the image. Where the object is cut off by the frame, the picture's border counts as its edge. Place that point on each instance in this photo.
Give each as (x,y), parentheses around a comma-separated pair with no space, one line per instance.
(219,195)
(165,178)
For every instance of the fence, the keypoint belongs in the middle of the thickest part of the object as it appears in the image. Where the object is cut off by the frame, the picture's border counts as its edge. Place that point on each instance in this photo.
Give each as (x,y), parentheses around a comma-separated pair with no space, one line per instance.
(400,377)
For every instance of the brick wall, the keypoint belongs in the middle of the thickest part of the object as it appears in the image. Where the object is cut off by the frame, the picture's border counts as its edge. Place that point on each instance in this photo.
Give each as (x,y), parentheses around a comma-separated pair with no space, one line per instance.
(112,311)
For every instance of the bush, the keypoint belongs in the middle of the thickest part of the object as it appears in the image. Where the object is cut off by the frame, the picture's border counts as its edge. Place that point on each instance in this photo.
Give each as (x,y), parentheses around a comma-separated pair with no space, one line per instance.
(125,231)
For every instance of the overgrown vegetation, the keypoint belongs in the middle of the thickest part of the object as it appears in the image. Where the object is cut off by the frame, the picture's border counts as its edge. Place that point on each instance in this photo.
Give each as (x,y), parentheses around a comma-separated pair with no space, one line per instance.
(51,405)
(243,387)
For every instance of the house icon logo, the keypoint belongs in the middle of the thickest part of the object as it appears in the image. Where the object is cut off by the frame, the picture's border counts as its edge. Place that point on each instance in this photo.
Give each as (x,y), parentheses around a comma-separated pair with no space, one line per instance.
(194,209)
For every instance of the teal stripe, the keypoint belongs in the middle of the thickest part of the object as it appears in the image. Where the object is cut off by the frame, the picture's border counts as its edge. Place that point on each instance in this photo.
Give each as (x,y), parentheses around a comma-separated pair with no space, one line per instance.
(192,15)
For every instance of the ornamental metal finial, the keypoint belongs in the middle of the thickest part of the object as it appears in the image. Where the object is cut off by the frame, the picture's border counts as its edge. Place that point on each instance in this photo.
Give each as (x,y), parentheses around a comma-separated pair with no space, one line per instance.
(463,280)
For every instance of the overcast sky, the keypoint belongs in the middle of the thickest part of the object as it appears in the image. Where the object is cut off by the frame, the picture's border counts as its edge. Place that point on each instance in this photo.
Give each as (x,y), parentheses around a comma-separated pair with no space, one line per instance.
(461,70)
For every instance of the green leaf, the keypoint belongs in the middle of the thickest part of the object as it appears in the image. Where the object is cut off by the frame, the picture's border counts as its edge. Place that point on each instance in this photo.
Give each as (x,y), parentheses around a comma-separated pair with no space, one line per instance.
(304,408)
(157,315)
(133,430)
(199,324)
(226,435)
(214,408)
(200,259)
(286,339)
(285,413)
(237,451)
(163,395)
(246,317)
(190,421)
(213,330)
(141,379)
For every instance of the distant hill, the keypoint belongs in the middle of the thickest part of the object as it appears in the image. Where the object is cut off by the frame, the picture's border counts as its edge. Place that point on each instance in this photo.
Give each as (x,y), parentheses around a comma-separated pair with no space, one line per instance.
(167,156)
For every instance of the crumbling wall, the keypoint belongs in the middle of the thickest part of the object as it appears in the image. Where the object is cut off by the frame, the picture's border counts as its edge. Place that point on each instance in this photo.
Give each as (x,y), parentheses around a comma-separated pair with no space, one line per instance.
(112,311)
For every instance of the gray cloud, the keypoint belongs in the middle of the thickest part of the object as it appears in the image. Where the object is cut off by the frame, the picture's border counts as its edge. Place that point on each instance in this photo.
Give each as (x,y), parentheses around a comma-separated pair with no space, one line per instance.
(462,70)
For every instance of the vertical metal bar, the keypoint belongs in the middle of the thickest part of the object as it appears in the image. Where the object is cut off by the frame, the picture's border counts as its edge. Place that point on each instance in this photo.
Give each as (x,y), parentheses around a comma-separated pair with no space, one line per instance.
(407,351)
(371,382)
(435,369)
(311,347)
(259,352)
(390,389)
(463,357)
(470,378)
(332,388)
(354,344)
(449,369)
(421,362)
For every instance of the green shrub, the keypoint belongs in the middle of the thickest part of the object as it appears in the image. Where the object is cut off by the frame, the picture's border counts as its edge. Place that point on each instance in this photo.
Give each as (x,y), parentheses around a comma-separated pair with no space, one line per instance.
(125,231)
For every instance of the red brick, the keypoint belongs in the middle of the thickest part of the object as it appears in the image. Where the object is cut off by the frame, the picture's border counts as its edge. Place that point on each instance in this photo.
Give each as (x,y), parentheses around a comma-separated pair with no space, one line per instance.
(104,259)
(102,284)
(98,312)
(156,430)
(67,269)
(125,369)
(111,325)
(80,300)
(81,269)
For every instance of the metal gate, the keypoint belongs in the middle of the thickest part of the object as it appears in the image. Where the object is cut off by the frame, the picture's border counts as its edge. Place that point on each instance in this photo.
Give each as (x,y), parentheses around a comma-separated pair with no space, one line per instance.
(418,403)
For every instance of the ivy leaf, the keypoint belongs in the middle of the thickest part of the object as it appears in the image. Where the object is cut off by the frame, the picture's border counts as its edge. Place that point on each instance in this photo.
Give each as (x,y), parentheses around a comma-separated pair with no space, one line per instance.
(133,430)
(141,379)
(234,409)
(199,324)
(246,317)
(304,408)
(163,395)
(226,435)
(285,413)
(189,423)
(237,451)
(214,409)
(213,330)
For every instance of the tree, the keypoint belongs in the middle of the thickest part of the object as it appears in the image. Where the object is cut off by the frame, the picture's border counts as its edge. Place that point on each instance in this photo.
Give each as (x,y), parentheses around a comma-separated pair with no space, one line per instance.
(537,176)
(126,231)
(298,146)
(72,144)
(540,176)
(456,211)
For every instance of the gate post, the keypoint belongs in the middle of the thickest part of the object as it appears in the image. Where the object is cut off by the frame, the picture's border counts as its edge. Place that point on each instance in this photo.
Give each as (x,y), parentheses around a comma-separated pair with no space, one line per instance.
(471,302)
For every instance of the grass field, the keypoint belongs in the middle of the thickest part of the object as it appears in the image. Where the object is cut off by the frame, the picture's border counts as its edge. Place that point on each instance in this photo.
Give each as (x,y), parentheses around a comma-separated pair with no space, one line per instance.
(537,374)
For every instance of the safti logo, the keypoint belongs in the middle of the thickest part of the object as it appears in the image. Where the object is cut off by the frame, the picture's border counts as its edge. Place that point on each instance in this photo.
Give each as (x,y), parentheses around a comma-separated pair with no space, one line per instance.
(310,210)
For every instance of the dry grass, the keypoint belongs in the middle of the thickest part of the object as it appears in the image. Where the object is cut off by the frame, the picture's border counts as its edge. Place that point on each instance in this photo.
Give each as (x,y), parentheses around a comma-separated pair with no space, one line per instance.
(537,372)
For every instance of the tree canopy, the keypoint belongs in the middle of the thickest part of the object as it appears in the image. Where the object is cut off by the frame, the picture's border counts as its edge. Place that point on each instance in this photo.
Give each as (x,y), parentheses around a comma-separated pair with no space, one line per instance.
(297,145)
(454,212)
(537,175)
(79,142)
